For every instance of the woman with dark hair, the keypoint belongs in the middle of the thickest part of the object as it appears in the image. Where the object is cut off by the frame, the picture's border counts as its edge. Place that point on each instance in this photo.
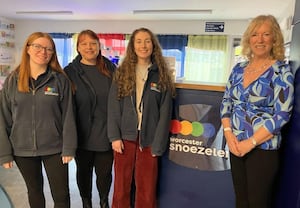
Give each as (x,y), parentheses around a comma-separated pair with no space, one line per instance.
(139,114)
(91,75)
(37,124)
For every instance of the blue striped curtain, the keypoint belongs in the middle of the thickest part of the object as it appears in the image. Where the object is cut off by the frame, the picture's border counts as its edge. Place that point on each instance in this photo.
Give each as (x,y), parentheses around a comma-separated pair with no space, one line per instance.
(174,45)
(173,41)
(64,50)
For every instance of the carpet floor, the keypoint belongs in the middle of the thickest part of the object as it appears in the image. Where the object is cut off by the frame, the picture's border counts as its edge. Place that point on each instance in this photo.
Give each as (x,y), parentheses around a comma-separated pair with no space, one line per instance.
(5,201)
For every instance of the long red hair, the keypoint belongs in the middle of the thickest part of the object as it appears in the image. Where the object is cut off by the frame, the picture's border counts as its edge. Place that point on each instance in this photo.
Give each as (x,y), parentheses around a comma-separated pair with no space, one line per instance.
(24,67)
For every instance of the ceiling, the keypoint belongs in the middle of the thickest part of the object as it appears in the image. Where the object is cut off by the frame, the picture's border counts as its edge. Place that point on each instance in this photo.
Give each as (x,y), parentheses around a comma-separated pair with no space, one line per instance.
(123,9)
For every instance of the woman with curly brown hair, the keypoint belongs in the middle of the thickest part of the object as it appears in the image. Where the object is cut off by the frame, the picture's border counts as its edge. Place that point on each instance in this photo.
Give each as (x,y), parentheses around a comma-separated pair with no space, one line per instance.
(139,114)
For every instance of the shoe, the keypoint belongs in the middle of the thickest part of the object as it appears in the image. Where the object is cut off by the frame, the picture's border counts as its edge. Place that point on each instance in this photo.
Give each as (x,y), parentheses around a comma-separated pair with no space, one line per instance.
(86,203)
(104,203)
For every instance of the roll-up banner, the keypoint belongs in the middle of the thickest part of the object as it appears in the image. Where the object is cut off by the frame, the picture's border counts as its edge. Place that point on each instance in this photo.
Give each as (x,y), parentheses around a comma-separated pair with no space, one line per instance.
(195,171)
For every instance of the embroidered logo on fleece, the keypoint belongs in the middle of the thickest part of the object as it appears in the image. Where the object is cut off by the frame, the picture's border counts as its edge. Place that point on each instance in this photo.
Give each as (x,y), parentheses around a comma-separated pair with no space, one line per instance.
(154,86)
(51,91)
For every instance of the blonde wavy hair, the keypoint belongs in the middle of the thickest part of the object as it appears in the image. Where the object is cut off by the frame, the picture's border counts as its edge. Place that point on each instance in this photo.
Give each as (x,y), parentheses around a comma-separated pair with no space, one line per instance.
(125,75)
(277,51)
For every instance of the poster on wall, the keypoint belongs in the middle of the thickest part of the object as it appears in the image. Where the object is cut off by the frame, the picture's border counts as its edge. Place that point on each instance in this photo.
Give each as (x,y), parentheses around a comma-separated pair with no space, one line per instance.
(7,48)
(6,56)
(171,61)
(2,79)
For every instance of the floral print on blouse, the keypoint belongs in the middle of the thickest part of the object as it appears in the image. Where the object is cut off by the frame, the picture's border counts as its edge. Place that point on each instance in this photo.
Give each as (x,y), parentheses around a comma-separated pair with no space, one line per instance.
(265,102)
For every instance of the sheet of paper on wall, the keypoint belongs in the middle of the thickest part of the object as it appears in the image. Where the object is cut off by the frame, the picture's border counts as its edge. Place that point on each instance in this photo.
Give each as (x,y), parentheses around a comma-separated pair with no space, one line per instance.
(171,60)
(7,47)
(2,79)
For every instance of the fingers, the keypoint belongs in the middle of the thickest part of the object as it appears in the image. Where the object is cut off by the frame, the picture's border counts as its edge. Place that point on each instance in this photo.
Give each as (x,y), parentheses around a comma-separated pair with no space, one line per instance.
(122,147)
(233,144)
(66,159)
(7,165)
(244,147)
(235,152)
(118,146)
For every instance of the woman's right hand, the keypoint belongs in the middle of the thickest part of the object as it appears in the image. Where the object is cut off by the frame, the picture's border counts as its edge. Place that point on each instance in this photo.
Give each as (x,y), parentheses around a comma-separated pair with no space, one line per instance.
(7,165)
(118,146)
(232,143)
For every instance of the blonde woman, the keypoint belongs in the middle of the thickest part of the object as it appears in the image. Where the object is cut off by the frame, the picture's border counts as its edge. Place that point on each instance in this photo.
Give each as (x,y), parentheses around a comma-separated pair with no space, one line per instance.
(256,104)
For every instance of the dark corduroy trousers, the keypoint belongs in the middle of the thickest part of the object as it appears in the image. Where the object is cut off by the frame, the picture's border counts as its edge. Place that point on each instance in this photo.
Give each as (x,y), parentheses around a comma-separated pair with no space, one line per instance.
(141,166)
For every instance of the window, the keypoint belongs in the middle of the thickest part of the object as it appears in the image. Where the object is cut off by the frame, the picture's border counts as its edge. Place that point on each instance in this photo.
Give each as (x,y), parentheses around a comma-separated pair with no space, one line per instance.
(204,65)
(206,59)
(198,58)
(174,46)
(178,56)
(64,51)
(112,46)
(64,47)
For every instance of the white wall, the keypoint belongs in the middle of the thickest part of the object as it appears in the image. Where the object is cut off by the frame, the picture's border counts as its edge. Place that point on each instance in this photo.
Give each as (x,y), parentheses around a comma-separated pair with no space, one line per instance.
(232,27)
(26,27)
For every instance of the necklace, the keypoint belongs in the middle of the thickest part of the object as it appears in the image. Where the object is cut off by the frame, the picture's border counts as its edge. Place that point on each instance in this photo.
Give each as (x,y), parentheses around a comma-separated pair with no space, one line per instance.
(142,76)
(142,72)
(252,70)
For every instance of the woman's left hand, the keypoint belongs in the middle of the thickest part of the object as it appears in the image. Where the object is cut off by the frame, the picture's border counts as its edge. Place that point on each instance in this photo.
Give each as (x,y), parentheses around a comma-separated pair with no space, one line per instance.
(66,159)
(244,147)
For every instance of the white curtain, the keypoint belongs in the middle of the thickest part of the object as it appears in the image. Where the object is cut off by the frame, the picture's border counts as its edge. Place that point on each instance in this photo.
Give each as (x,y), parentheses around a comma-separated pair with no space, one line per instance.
(206,59)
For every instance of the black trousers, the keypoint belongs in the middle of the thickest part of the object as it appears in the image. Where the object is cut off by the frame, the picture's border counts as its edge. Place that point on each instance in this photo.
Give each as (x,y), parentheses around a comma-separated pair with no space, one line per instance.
(57,174)
(86,161)
(254,178)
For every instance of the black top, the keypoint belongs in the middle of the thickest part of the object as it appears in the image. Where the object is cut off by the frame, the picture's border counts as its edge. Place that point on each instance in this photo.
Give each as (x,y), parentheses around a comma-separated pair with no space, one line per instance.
(91,93)
(37,123)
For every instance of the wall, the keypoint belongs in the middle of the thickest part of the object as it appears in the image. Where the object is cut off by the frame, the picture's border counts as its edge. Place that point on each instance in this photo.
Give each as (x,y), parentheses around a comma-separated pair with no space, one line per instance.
(232,27)
(114,26)
(160,27)
(26,27)
(7,48)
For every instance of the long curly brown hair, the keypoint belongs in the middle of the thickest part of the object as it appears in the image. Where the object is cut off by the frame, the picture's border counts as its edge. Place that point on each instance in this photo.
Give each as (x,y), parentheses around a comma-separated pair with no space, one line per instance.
(125,75)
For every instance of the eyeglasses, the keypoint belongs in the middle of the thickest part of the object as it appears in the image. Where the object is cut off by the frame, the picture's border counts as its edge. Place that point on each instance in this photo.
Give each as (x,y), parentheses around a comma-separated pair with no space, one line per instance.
(39,48)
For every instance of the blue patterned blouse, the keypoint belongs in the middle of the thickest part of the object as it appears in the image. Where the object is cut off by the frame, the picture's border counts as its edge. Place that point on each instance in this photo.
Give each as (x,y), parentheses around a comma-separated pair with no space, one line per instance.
(265,102)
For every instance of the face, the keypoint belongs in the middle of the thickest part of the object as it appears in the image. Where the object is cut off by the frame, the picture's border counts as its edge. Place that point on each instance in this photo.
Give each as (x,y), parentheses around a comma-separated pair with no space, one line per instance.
(261,40)
(40,51)
(89,49)
(143,46)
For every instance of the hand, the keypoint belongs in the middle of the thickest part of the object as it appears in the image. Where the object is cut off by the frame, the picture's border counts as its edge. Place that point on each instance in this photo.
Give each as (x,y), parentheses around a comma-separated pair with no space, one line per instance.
(118,146)
(232,143)
(245,146)
(7,165)
(66,159)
